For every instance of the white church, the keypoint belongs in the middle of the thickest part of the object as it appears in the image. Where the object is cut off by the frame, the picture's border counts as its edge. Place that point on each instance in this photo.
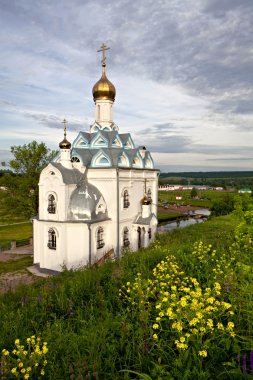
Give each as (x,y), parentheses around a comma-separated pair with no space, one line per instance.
(98,198)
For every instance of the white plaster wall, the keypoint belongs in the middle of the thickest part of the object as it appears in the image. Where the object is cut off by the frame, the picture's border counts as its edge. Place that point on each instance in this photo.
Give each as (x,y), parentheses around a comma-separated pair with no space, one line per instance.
(77,245)
(73,238)
(105,113)
(108,233)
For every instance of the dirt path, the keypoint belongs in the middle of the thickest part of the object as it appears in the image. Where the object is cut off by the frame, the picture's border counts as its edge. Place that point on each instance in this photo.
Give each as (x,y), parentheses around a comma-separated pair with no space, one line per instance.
(11,280)
(12,224)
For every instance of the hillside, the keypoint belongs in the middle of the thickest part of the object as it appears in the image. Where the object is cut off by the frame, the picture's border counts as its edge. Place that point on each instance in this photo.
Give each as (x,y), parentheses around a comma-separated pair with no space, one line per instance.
(103,323)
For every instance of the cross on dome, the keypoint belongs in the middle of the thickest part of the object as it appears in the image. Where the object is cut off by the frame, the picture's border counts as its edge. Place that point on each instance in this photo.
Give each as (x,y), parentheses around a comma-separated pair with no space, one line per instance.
(103,89)
(103,48)
(65,126)
(65,144)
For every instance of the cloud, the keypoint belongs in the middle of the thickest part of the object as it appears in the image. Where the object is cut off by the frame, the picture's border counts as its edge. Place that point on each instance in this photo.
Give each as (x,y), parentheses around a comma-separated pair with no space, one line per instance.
(53,121)
(182,70)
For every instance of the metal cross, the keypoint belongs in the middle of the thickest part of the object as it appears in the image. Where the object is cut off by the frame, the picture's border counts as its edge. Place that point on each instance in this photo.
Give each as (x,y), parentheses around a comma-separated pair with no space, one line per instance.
(145,185)
(103,48)
(65,126)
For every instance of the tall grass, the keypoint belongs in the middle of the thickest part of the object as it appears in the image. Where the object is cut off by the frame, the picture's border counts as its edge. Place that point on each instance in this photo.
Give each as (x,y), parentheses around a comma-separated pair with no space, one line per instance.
(94,332)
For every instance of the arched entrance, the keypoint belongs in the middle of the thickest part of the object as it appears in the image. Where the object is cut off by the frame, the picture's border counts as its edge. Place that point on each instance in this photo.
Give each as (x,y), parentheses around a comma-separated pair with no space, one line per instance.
(139,237)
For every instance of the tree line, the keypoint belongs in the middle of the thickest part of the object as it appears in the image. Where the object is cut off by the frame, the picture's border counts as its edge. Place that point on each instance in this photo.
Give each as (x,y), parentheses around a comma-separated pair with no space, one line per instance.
(21,182)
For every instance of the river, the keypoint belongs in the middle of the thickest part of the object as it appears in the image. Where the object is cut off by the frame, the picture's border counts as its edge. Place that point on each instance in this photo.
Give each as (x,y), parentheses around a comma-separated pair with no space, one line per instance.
(184,223)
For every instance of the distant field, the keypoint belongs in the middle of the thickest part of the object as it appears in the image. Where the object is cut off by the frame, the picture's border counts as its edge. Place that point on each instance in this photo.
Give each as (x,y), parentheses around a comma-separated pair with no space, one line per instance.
(206,197)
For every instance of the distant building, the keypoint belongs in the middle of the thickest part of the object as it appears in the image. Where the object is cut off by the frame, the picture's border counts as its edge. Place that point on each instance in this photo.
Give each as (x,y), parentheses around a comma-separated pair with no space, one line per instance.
(168,187)
(245,190)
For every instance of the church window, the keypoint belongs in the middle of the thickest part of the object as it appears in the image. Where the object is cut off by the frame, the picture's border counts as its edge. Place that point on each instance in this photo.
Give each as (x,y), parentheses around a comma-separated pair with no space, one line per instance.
(149,194)
(98,112)
(51,204)
(100,238)
(149,233)
(126,241)
(52,173)
(126,202)
(75,159)
(51,239)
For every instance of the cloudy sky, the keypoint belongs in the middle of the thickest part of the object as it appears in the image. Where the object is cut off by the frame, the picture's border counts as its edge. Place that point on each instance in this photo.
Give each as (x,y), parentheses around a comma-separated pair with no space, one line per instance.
(183,72)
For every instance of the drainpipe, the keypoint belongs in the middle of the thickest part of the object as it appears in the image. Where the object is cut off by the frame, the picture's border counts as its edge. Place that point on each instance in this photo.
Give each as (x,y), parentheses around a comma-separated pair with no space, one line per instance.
(89,245)
(117,251)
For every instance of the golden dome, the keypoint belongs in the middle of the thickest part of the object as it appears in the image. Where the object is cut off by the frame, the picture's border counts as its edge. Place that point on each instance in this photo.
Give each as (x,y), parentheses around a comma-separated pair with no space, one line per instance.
(65,144)
(103,89)
(145,200)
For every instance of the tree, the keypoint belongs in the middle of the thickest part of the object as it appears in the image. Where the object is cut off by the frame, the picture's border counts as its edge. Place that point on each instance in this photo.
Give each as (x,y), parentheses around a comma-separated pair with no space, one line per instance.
(223,206)
(194,193)
(28,162)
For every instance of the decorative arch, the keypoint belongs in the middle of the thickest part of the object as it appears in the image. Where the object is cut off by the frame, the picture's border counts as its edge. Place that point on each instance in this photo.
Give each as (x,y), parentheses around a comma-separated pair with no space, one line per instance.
(117,143)
(129,144)
(81,141)
(99,141)
(137,161)
(101,159)
(123,160)
(149,163)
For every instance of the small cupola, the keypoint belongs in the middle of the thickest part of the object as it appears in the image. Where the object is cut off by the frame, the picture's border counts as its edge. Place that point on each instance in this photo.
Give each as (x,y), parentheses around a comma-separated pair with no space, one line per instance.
(65,144)
(103,89)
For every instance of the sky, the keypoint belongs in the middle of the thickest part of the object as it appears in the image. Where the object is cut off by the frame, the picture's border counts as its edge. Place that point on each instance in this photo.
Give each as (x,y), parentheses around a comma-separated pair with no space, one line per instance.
(183,72)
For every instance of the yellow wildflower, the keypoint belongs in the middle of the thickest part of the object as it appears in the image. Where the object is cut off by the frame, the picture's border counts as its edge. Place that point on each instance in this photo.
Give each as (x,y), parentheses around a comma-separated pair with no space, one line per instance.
(203,353)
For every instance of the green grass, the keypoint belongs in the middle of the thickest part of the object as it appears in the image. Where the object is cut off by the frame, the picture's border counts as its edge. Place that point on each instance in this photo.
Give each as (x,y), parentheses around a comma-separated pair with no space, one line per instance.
(94,333)
(207,198)
(164,216)
(13,265)
(15,232)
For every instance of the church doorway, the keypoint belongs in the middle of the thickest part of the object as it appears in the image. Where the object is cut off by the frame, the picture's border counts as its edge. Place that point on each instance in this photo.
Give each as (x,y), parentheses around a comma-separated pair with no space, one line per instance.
(139,237)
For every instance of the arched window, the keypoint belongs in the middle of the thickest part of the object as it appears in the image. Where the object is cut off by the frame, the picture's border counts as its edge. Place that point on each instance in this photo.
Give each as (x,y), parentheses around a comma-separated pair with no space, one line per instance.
(99,112)
(149,195)
(51,239)
(126,202)
(149,233)
(75,159)
(126,241)
(100,238)
(51,204)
